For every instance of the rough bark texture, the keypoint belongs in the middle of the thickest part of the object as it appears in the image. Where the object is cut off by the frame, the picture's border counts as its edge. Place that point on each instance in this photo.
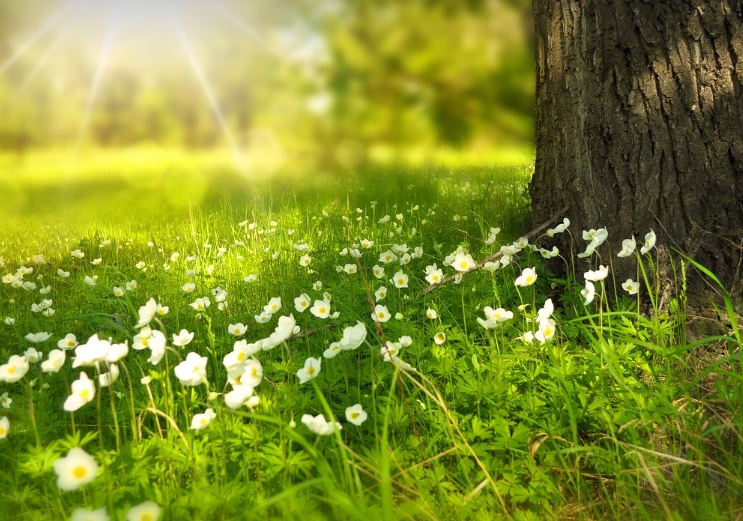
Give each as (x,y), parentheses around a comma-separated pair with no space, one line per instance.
(640,124)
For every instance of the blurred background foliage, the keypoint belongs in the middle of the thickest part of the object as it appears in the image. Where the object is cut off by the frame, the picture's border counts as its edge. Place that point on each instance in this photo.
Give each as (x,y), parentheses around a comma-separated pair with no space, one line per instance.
(324,81)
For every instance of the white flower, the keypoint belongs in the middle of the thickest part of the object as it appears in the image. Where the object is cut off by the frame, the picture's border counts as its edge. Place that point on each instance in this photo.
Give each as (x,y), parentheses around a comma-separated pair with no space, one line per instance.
(251,278)
(192,371)
(649,242)
(147,511)
(273,305)
(320,309)
(32,355)
(332,350)
(146,313)
(380,294)
(598,275)
(310,370)
(263,317)
(108,378)
(319,425)
(549,254)
(240,352)
(4,427)
(400,280)
(91,352)
(497,315)
(5,400)
(598,236)
(118,291)
(630,286)
(439,338)
(387,257)
(305,260)
(62,273)
(83,391)
(252,373)
(37,338)
(14,370)
(434,276)
(353,336)
(390,350)
(188,287)
(237,329)
(54,362)
(238,396)
(90,281)
(378,271)
(302,302)
(546,330)
(202,421)
(356,414)
(200,304)
(76,469)
(588,292)
(546,311)
(117,351)
(131,285)
(381,313)
(317,285)
(432,314)
(350,268)
(463,262)
(628,247)
(527,277)
(157,347)
(183,338)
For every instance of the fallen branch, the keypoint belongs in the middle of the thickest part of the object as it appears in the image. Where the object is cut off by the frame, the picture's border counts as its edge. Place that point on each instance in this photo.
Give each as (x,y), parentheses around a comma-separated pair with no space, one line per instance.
(529,235)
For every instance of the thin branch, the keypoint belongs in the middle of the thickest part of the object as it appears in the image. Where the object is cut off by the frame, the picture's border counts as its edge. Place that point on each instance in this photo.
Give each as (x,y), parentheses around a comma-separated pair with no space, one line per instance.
(529,235)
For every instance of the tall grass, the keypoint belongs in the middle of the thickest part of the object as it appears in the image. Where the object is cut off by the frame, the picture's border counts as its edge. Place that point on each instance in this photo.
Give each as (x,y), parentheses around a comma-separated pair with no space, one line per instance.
(616,416)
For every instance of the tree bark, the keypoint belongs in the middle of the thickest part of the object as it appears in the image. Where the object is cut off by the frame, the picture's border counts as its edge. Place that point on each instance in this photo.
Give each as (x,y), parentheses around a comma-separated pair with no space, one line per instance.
(639,125)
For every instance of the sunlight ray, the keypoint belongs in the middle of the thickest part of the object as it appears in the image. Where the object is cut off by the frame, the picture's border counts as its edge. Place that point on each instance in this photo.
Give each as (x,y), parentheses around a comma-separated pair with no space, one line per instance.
(38,34)
(199,73)
(53,47)
(95,86)
(229,15)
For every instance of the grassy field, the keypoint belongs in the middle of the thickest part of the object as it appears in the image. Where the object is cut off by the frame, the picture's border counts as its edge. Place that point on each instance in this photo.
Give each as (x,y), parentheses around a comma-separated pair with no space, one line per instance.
(190,391)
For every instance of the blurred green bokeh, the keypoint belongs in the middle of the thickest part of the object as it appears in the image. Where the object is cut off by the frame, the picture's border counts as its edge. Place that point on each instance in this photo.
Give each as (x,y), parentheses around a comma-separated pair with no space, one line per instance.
(325,82)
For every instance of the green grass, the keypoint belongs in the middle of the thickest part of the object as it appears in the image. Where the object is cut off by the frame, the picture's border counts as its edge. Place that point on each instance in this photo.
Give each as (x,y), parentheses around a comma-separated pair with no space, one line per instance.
(616,417)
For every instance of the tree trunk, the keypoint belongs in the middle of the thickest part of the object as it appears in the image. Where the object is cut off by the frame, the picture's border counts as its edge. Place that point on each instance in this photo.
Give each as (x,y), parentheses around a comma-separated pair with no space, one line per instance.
(640,125)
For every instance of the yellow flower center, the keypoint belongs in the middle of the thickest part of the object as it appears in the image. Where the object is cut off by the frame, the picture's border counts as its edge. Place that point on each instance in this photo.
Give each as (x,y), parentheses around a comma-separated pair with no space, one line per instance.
(79,472)
(311,370)
(236,330)
(463,265)
(84,393)
(401,281)
(12,369)
(203,421)
(354,415)
(254,372)
(2,431)
(146,517)
(70,343)
(145,342)
(240,356)
(322,309)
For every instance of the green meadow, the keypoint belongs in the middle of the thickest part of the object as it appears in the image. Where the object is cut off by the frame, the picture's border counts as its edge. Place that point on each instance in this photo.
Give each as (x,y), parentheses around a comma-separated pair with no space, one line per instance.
(183,340)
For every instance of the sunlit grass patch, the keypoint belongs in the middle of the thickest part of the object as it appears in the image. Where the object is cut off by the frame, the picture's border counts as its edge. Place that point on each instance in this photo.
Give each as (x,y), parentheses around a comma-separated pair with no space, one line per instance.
(277,350)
